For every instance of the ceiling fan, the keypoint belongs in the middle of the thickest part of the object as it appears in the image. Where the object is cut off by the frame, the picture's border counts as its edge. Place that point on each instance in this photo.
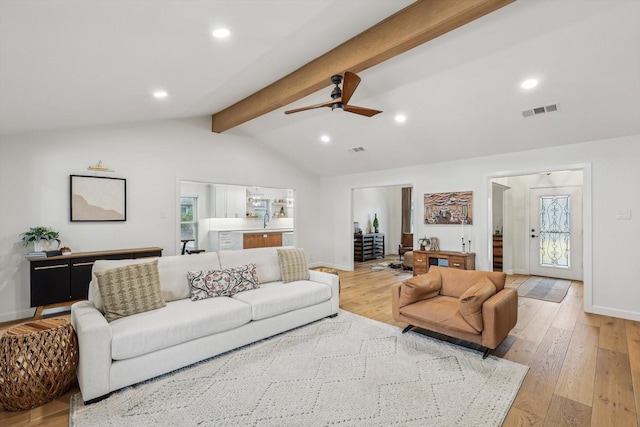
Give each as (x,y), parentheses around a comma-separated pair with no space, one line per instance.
(340,97)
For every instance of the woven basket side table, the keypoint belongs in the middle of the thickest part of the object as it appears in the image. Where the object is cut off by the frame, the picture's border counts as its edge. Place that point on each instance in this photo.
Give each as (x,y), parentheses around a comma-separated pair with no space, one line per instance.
(38,361)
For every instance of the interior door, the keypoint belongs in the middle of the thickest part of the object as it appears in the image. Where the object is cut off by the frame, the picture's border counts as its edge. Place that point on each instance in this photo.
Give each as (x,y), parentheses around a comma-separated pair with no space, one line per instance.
(555,242)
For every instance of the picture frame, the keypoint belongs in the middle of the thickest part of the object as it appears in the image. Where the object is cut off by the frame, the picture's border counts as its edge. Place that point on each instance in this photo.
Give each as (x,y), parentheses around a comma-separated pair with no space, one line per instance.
(95,198)
(448,208)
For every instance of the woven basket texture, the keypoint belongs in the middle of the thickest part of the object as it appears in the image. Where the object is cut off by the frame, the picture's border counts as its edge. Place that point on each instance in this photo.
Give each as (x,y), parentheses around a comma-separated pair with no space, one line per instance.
(37,363)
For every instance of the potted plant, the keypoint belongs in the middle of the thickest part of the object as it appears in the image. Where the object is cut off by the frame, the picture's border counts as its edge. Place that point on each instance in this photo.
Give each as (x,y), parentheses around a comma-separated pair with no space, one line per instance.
(41,237)
(424,242)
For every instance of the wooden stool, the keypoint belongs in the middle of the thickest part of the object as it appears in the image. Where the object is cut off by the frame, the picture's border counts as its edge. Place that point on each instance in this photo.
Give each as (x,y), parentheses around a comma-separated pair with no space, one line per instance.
(38,361)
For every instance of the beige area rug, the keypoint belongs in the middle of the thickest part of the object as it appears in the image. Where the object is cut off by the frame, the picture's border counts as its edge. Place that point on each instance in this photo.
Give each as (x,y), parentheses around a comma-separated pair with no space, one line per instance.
(544,288)
(349,370)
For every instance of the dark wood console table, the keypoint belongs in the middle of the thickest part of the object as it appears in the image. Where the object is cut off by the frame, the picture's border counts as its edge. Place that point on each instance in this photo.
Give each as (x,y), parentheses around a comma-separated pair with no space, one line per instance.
(60,281)
(422,260)
(368,246)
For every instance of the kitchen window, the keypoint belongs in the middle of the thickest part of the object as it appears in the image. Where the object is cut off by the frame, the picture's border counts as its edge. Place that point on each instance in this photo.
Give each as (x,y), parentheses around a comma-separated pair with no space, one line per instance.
(189,221)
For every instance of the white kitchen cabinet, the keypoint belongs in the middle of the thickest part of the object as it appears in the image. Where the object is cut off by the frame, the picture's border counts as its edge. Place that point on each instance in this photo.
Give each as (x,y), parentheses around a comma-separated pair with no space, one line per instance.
(230,201)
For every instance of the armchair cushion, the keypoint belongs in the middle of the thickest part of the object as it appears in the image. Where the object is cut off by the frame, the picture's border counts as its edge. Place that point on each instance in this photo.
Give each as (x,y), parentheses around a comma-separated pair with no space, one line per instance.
(418,288)
(471,302)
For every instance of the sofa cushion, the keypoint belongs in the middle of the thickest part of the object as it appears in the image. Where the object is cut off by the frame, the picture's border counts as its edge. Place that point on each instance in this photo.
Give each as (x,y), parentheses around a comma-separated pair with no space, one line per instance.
(440,310)
(222,283)
(265,259)
(173,272)
(129,290)
(277,297)
(471,302)
(180,321)
(171,269)
(293,265)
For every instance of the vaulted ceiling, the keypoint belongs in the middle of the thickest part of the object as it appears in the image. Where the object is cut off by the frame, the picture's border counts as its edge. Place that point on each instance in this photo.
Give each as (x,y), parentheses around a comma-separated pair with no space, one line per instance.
(67,64)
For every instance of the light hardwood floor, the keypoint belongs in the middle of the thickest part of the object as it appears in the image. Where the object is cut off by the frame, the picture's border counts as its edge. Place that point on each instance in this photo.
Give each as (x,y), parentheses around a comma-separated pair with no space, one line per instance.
(584,369)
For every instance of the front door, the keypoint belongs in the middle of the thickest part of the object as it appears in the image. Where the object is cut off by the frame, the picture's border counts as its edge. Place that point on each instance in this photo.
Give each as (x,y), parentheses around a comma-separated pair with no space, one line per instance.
(555,248)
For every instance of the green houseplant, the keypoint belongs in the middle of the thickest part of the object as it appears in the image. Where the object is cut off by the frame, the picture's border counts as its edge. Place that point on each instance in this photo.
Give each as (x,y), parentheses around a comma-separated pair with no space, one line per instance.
(38,234)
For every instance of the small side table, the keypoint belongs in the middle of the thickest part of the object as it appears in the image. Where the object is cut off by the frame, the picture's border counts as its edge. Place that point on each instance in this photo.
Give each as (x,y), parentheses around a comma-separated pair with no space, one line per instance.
(38,361)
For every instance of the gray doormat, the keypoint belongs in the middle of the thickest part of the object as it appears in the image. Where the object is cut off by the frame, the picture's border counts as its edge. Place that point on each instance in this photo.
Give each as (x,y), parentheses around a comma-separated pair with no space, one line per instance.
(544,288)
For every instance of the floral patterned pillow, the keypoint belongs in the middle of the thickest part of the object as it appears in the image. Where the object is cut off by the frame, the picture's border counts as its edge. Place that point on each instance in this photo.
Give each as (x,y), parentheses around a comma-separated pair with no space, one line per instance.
(222,283)
(242,278)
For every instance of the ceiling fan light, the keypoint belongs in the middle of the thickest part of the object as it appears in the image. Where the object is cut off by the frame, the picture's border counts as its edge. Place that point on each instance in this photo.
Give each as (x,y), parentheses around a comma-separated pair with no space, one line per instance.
(337,106)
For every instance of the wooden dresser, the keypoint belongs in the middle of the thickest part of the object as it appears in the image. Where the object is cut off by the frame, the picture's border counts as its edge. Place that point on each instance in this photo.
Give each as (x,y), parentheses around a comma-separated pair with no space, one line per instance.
(422,260)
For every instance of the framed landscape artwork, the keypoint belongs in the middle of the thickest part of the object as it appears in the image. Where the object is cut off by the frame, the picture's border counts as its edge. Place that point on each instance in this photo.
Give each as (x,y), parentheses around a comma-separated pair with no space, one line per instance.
(96,198)
(448,208)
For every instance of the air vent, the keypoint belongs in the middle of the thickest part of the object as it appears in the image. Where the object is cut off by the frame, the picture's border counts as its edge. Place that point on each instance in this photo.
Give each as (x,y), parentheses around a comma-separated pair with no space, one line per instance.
(540,110)
(356,149)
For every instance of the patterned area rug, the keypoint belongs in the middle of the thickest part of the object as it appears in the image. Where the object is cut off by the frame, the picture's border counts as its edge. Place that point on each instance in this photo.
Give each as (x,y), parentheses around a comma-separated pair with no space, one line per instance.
(544,288)
(348,370)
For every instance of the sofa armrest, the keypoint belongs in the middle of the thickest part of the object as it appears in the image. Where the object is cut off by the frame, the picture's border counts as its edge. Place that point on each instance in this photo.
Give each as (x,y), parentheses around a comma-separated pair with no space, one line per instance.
(333,281)
(419,288)
(94,342)
(500,315)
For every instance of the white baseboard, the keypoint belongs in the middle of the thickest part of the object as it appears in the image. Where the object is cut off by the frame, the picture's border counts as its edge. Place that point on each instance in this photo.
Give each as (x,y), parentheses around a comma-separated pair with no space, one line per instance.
(622,314)
(17,315)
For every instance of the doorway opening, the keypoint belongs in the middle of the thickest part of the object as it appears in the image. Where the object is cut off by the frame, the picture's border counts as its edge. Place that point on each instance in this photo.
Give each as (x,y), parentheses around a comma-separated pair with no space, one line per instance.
(384,204)
(540,220)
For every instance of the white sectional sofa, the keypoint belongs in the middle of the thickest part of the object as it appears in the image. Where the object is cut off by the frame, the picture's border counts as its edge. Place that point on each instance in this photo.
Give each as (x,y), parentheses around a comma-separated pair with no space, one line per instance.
(144,345)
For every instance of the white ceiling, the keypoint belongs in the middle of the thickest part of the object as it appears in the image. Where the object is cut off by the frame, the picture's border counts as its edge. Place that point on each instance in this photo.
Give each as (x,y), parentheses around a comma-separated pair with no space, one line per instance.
(70,64)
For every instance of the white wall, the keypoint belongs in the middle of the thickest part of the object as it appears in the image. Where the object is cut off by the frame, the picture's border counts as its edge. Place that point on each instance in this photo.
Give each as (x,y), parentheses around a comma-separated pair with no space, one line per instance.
(613,182)
(153,157)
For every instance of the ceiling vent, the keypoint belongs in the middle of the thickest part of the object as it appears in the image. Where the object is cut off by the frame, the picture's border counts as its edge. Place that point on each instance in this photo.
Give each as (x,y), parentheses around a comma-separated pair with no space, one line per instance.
(356,149)
(540,110)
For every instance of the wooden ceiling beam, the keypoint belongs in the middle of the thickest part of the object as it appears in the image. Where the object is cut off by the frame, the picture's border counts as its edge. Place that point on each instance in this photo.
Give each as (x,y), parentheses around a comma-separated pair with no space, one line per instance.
(418,23)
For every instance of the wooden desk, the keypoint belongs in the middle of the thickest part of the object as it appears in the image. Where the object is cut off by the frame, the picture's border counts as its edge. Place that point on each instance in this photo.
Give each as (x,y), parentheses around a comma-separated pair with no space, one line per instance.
(422,260)
(60,281)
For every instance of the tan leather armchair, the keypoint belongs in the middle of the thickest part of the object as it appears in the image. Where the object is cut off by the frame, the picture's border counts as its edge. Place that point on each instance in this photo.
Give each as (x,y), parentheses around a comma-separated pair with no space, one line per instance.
(470,305)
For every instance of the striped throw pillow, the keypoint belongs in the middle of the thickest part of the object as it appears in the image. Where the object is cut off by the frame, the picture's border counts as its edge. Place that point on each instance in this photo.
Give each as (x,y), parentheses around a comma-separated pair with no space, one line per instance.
(130,290)
(293,265)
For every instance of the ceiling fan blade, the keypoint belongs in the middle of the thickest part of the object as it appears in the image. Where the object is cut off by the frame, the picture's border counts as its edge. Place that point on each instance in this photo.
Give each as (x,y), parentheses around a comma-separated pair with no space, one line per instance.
(361,110)
(311,107)
(351,82)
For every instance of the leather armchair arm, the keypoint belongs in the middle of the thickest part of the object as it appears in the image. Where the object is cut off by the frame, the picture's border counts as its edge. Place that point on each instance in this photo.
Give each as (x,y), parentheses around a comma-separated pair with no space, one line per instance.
(418,288)
(500,315)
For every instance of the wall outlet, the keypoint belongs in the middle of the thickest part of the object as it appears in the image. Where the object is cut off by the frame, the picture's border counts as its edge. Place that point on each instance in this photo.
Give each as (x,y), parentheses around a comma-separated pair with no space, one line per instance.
(623,214)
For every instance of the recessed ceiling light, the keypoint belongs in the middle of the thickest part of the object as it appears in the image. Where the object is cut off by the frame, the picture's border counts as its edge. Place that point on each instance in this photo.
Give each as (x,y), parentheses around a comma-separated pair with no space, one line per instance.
(529,84)
(325,138)
(221,33)
(401,118)
(159,94)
